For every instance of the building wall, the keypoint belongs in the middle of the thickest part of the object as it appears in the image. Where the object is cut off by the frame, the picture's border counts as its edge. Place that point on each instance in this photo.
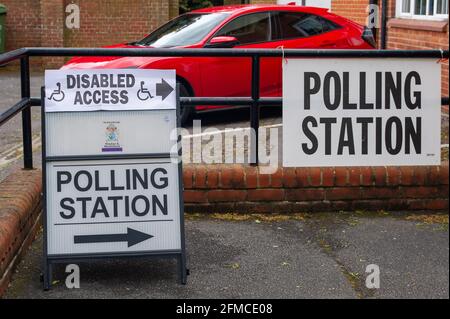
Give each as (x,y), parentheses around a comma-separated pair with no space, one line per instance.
(52,29)
(106,22)
(102,22)
(23,23)
(174,8)
(352,9)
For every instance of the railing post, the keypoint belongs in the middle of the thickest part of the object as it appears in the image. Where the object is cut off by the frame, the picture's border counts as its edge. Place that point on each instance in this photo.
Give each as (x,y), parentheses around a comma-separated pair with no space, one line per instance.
(383,34)
(254,110)
(26,113)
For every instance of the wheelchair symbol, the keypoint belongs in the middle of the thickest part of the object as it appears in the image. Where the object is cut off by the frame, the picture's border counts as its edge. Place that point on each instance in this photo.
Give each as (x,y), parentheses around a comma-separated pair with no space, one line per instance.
(58,94)
(143,93)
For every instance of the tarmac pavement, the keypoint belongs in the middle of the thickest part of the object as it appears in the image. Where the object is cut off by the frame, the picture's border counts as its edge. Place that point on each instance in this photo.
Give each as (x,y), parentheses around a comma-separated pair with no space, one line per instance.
(305,256)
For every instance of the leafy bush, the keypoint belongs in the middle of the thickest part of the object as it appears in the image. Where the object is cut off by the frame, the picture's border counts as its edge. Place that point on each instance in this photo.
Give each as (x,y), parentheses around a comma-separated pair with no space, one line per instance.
(189,5)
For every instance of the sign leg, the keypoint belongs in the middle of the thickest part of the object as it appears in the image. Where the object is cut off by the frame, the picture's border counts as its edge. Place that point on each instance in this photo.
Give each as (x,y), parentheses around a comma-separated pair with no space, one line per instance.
(47,274)
(182,269)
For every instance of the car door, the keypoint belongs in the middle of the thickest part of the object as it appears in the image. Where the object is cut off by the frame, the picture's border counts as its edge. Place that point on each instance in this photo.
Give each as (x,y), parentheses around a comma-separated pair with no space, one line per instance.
(226,76)
(300,30)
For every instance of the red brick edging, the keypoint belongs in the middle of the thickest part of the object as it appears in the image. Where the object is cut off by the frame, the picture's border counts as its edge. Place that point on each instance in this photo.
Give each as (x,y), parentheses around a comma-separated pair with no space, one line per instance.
(20,206)
(243,189)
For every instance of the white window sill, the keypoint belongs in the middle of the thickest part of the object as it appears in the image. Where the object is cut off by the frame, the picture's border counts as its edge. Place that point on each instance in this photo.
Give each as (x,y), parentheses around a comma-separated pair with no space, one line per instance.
(418,24)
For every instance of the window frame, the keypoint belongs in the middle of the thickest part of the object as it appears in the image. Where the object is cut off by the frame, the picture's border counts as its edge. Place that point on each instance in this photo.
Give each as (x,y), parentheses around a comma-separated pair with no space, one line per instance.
(139,42)
(280,28)
(275,26)
(410,15)
(269,13)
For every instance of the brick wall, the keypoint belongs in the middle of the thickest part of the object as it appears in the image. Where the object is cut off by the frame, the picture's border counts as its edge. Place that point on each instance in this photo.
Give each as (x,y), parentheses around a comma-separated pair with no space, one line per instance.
(420,40)
(23,23)
(242,189)
(102,22)
(106,22)
(52,29)
(174,9)
(352,9)
(20,206)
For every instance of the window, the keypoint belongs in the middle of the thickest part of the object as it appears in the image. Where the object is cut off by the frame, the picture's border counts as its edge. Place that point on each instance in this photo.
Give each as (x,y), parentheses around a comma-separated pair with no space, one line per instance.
(186,29)
(442,7)
(423,9)
(251,28)
(300,25)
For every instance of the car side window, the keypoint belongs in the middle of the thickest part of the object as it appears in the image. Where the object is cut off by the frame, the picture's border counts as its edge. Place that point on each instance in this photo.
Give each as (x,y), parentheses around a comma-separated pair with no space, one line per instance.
(250,28)
(300,25)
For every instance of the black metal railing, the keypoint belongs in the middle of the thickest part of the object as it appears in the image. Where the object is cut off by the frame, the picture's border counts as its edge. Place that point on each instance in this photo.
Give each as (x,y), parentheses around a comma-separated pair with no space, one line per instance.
(254,101)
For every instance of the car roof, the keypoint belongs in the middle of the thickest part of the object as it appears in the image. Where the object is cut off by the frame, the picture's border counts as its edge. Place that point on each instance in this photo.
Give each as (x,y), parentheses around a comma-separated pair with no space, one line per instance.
(237,9)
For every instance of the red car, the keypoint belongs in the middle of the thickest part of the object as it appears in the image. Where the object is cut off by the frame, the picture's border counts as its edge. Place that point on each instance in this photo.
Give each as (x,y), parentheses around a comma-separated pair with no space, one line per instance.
(246,26)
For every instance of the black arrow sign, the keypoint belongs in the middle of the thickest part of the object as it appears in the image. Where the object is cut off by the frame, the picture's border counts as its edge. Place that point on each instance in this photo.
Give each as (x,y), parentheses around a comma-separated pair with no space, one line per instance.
(163,89)
(132,236)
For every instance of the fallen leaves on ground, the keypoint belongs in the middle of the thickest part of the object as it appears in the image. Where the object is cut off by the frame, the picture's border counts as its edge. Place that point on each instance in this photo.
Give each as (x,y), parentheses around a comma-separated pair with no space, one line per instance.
(429,218)
(257,218)
(233,266)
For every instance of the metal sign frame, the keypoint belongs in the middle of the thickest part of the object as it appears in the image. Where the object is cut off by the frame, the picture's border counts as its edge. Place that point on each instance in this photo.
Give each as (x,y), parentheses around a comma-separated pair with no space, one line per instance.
(352,98)
(50,260)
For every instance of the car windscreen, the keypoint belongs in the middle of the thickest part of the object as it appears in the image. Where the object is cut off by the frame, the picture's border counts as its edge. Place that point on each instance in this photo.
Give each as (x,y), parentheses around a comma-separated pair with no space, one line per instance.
(186,29)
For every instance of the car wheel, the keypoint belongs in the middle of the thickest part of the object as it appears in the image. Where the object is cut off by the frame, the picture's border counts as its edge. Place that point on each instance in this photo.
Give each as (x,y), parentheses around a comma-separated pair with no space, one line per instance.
(185,111)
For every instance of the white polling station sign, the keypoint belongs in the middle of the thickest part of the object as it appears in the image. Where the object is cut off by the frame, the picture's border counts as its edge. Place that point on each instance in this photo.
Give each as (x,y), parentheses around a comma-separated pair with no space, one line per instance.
(109,89)
(112,206)
(112,182)
(360,112)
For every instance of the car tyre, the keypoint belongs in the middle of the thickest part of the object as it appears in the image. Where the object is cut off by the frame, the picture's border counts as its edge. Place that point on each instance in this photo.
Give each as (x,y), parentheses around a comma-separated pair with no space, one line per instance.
(186,112)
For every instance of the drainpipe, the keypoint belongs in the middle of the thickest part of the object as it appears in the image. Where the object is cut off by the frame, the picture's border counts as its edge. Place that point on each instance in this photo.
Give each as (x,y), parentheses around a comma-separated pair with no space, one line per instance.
(373,28)
(383,25)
